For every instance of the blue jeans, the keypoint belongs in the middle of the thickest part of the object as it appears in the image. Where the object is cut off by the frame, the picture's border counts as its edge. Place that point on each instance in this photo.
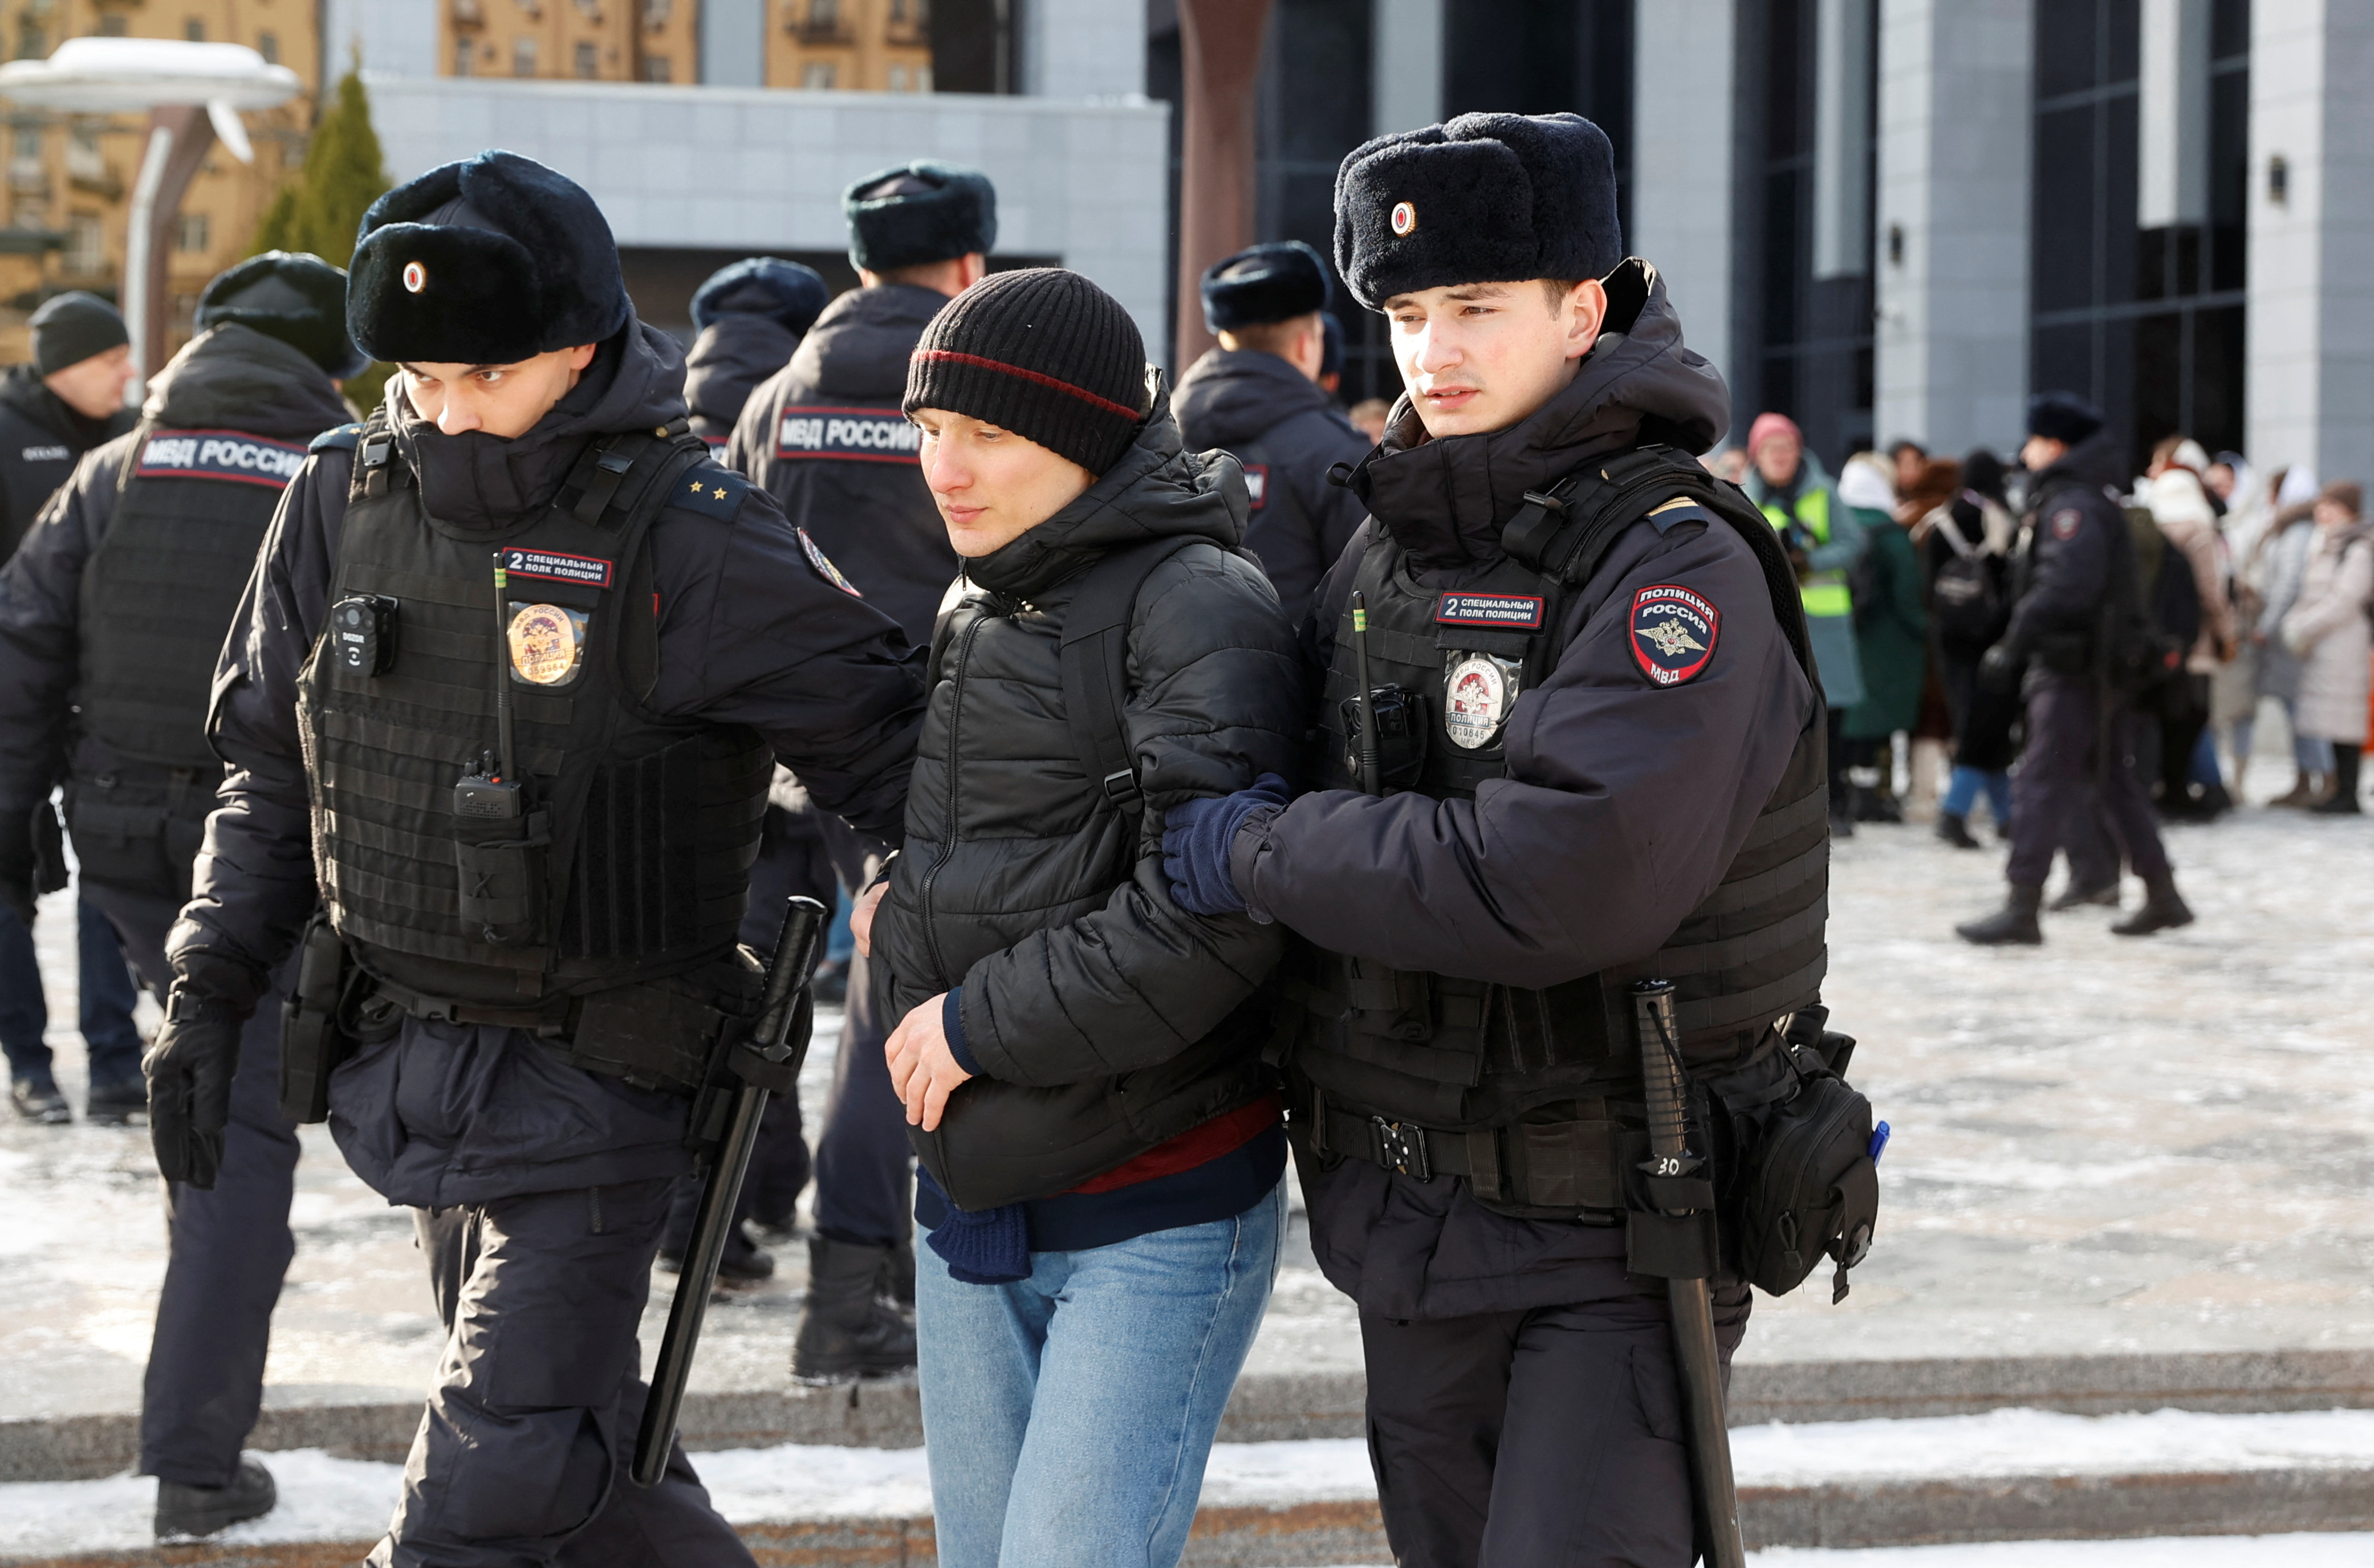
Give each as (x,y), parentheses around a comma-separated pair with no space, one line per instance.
(1069,1415)
(1962,792)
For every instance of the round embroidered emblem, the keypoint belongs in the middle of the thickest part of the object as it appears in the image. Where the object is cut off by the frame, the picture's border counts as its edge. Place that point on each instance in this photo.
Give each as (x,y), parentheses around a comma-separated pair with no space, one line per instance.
(1674,632)
(1405,217)
(546,642)
(416,277)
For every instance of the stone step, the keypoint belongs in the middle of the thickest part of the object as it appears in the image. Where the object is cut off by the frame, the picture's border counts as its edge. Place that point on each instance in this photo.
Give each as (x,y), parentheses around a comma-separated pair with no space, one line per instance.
(1279,1406)
(1306,1535)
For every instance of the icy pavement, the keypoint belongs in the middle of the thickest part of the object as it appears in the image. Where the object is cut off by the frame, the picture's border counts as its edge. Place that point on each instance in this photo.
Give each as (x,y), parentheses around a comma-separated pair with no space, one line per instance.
(2104,1145)
(332,1499)
(2198,1552)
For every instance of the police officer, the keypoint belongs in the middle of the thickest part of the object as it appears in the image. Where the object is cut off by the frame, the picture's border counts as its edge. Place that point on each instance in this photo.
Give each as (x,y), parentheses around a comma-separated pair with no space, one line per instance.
(1599,756)
(826,438)
(512,673)
(749,316)
(115,608)
(52,411)
(2077,625)
(1258,395)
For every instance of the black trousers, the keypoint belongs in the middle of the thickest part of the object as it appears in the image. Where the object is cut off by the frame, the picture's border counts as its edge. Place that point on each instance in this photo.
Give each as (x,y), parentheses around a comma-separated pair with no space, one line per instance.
(522,1454)
(1550,1437)
(2059,784)
(865,1191)
(227,1248)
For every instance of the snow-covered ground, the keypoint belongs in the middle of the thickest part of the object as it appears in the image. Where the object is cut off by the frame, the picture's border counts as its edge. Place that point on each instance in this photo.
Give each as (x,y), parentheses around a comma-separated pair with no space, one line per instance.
(332,1499)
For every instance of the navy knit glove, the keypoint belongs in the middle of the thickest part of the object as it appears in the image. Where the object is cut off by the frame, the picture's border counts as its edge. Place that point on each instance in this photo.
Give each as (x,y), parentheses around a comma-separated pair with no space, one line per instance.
(1195,842)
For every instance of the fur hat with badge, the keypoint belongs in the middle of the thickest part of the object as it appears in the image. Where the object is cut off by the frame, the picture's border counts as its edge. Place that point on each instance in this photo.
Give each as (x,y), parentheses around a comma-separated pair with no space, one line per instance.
(291,295)
(490,261)
(1481,198)
(919,213)
(1275,282)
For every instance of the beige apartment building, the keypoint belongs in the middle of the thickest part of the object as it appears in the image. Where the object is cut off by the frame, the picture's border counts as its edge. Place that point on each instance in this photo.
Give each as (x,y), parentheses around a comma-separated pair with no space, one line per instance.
(69,176)
(845,45)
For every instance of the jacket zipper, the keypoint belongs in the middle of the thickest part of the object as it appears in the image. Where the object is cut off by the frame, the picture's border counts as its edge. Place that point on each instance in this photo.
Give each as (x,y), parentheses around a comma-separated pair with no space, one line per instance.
(948,843)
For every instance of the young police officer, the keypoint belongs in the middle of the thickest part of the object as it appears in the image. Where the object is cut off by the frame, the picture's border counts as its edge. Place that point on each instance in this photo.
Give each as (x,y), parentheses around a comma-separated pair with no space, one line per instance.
(828,440)
(1598,757)
(1258,395)
(511,676)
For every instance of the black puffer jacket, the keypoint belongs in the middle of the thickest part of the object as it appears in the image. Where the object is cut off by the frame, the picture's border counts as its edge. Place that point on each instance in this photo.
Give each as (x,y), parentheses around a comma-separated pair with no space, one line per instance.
(1232,397)
(1106,1020)
(728,361)
(40,441)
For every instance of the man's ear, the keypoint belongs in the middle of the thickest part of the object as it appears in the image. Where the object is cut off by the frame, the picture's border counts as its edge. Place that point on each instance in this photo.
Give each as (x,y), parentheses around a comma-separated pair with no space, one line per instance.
(1586,312)
(582,356)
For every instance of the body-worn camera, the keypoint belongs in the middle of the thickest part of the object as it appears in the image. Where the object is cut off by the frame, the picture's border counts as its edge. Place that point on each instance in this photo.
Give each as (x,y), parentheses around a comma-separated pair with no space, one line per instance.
(1401,735)
(362,632)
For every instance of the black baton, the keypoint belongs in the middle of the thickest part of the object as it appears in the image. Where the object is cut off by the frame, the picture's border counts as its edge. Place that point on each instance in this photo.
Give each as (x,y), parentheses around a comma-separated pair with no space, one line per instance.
(1670,1161)
(1371,777)
(769,1058)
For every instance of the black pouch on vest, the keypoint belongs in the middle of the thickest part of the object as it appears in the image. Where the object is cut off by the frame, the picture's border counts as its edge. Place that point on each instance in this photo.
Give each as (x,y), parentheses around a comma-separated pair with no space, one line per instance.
(1812,1190)
(499,850)
(1400,736)
(313,1037)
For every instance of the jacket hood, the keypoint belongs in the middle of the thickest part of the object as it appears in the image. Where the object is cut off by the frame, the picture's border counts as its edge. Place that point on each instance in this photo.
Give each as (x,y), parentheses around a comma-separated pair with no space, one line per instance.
(232,377)
(1241,394)
(477,481)
(1157,490)
(858,348)
(22,390)
(1445,500)
(2099,460)
(730,358)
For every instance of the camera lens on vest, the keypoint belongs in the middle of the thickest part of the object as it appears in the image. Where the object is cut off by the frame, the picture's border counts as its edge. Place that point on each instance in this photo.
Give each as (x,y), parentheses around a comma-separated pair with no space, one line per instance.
(362,632)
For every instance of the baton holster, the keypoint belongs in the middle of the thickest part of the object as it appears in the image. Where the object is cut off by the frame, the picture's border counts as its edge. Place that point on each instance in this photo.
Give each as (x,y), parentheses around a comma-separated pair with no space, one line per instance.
(314,1017)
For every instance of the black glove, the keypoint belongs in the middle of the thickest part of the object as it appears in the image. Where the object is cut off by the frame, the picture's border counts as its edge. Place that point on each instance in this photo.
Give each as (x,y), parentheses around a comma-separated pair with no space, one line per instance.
(49,841)
(189,1066)
(1999,668)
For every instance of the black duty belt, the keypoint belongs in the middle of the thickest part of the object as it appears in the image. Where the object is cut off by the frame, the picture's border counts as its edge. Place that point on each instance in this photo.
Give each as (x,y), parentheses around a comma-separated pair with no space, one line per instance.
(1539,1164)
(653,1037)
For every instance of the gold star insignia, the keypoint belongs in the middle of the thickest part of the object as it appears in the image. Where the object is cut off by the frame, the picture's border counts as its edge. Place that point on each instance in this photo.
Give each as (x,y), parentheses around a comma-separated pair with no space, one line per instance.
(696,486)
(718,490)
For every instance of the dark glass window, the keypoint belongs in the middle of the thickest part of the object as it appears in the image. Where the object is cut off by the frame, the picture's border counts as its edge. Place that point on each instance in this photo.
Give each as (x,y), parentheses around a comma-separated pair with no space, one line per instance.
(2147,322)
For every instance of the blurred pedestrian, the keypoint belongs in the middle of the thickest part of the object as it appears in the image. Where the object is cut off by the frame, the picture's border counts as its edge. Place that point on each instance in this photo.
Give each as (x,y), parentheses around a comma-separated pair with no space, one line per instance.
(2327,629)
(2180,504)
(2283,553)
(1823,540)
(1965,552)
(1369,417)
(1731,464)
(1907,459)
(1891,624)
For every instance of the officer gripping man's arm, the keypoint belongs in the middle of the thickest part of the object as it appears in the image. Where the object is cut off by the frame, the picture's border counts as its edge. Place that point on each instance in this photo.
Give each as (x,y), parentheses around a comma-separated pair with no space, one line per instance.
(1595,734)
(530,803)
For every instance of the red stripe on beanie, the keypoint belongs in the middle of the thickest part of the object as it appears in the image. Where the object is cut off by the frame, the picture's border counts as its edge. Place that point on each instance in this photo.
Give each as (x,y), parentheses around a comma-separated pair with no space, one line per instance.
(1044,379)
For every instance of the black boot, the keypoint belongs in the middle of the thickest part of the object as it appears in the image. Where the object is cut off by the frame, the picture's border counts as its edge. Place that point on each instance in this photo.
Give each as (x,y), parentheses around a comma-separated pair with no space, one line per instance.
(114,1104)
(899,1275)
(38,1100)
(1954,829)
(2014,923)
(203,1510)
(847,1330)
(2105,893)
(2343,799)
(2162,908)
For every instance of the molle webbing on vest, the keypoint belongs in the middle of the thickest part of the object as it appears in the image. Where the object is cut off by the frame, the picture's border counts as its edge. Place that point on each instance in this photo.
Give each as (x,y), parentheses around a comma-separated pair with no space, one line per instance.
(639,832)
(1462,1056)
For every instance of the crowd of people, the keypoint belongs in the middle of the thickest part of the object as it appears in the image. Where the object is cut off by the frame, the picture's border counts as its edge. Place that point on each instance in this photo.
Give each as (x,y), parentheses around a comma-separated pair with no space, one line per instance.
(2257,590)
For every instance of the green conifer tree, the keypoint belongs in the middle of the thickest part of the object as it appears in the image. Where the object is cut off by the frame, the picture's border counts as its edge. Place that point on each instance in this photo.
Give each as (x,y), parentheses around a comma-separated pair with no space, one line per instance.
(320,210)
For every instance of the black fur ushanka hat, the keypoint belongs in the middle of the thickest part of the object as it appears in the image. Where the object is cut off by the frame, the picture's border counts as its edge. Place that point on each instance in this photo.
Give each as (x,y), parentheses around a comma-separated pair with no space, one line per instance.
(1275,282)
(1482,198)
(919,213)
(485,262)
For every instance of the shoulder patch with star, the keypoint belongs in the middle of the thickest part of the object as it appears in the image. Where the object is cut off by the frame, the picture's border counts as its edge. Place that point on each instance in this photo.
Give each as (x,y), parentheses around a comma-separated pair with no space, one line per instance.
(338,437)
(1673,633)
(711,491)
(2066,522)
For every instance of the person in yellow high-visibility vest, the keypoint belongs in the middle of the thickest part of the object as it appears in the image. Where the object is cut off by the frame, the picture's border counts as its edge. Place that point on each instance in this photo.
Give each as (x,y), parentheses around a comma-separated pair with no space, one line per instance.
(1789,484)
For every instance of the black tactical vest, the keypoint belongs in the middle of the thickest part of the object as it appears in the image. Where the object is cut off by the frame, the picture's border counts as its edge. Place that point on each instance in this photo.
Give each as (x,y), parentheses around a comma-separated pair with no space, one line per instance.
(626,859)
(1510,1087)
(157,595)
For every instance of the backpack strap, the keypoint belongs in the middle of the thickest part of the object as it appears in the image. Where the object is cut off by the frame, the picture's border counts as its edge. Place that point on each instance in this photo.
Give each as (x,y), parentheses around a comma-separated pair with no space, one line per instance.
(1094,656)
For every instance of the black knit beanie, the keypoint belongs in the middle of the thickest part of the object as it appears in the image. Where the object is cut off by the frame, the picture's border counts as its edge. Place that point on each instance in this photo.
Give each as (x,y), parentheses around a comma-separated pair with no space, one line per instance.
(1043,353)
(73,327)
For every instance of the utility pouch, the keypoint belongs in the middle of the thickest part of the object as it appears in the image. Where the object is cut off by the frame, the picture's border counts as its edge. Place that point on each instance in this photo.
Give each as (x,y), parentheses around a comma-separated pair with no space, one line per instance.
(1670,1229)
(498,853)
(1812,1186)
(313,1036)
(1400,736)
(1396,1003)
